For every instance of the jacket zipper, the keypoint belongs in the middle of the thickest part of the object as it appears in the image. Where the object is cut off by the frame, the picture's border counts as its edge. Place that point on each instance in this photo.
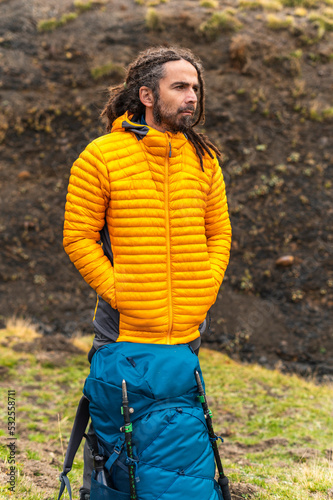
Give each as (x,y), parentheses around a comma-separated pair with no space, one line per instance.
(167,217)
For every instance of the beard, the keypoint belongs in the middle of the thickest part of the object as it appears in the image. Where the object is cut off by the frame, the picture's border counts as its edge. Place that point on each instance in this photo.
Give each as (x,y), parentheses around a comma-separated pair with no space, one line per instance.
(173,121)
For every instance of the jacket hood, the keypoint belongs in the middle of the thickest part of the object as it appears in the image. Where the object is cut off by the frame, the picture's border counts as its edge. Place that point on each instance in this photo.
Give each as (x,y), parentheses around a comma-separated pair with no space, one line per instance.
(127,123)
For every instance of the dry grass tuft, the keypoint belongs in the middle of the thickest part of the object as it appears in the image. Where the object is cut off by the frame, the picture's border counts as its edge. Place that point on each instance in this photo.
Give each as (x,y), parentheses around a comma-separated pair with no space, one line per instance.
(239,50)
(107,70)
(19,329)
(271,5)
(153,21)
(54,23)
(82,342)
(279,23)
(209,4)
(220,22)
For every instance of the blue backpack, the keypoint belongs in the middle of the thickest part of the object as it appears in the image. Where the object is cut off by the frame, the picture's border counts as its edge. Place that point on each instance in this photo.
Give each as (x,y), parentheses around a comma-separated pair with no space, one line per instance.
(172,453)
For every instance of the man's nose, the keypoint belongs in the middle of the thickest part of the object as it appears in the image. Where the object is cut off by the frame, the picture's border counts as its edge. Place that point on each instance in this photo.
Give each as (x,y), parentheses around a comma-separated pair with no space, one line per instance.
(191,97)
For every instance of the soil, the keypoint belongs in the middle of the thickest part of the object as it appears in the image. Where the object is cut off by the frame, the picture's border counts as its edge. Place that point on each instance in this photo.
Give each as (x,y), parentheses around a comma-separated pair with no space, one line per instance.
(269,108)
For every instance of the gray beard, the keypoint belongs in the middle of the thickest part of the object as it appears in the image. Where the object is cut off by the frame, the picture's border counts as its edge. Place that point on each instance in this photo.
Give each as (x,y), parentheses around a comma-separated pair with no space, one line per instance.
(169,120)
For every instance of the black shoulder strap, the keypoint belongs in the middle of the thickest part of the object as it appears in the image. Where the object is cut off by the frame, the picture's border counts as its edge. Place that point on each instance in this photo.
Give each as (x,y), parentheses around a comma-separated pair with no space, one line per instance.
(78,430)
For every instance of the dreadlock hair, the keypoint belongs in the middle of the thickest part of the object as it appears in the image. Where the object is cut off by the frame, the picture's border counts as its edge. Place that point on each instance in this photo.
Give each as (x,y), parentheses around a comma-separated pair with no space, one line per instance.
(147,70)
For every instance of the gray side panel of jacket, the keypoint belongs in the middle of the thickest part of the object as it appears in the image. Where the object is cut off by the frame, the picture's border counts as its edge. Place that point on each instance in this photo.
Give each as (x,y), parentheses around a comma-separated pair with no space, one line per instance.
(106,320)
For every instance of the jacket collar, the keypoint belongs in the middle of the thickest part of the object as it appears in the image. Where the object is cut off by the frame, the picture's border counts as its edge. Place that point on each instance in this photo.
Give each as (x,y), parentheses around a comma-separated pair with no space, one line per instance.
(151,137)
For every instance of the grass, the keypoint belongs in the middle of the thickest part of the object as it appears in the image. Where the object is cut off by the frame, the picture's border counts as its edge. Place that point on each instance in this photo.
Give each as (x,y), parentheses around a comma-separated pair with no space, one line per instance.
(220,22)
(279,23)
(85,6)
(107,70)
(320,115)
(278,426)
(209,4)
(273,5)
(150,3)
(152,20)
(324,23)
(45,25)
(53,23)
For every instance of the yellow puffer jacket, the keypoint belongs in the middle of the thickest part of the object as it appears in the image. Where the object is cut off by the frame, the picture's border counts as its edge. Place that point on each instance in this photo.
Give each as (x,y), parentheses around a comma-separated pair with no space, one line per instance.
(168,224)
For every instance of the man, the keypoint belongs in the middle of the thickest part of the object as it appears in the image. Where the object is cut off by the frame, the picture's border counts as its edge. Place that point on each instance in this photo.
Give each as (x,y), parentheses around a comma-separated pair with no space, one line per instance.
(152,192)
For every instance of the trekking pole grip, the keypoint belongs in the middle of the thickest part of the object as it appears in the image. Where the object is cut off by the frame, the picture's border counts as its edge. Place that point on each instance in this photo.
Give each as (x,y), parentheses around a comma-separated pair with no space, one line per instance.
(224,485)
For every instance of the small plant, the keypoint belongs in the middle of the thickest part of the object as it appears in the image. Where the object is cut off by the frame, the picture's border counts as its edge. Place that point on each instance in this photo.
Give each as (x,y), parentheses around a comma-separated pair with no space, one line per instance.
(323,23)
(83,6)
(250,4)
(328,12)
(328,113)
(297,295)
(297,54)
(246,282)
(53,23)
(300,3)
(281,168)
(153,21)
(258,191)
(48,24)
(318,115)
(153,3)
(107,70)
(294,157)
(300,12)
(299,89)
(278,23)
(273,5)
(219,22)
(326,21)
(33,455)
(209,4)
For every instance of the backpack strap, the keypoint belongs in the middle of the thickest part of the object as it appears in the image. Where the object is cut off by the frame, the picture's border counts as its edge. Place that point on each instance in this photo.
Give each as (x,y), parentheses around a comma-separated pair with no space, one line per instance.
(115,454)
(78,430)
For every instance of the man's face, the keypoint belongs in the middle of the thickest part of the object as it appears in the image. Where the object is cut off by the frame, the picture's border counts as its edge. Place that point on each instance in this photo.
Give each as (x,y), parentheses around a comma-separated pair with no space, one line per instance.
(174,108)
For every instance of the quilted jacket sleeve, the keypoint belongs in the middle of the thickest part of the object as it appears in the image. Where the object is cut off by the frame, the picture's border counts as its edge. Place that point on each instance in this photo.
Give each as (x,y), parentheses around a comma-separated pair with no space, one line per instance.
(218,228)
(87,201)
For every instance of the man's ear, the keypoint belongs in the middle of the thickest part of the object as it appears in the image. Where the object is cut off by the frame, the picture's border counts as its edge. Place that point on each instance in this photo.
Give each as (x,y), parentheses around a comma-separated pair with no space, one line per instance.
(146,96)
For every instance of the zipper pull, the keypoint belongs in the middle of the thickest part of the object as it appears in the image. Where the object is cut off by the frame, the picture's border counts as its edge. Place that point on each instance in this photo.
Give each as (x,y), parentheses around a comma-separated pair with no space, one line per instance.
(170,151)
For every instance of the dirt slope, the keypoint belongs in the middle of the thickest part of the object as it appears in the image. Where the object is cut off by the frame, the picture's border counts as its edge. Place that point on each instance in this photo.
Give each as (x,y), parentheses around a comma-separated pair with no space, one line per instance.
(269,108)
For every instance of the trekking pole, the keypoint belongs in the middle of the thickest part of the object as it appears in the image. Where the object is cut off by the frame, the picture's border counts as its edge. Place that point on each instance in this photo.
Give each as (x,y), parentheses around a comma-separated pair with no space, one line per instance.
(223,481)
(128,440)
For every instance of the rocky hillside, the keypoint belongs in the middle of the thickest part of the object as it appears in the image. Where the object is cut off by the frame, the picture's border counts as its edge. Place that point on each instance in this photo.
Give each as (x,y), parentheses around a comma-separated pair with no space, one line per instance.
(269,78)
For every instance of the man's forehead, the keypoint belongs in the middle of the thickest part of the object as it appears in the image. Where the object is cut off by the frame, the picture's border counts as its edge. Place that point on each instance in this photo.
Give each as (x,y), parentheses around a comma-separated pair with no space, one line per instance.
(180,71)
